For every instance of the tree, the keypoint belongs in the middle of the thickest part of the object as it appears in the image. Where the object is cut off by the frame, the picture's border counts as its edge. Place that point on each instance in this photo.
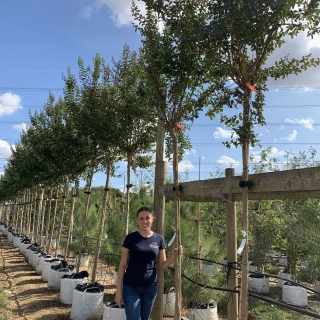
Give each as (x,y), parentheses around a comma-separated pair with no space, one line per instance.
(177,75)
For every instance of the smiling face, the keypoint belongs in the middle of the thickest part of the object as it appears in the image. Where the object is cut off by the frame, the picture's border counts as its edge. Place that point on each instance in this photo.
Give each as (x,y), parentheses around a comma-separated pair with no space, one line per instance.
(145,219)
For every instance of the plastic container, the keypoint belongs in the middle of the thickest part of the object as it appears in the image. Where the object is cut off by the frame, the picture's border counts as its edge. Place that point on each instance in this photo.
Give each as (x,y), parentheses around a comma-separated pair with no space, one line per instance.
(67,287)
(46,268)
(84,261)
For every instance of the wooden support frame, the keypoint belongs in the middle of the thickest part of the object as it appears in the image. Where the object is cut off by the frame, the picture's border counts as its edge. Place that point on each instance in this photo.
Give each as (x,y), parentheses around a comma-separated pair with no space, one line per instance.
(290,184)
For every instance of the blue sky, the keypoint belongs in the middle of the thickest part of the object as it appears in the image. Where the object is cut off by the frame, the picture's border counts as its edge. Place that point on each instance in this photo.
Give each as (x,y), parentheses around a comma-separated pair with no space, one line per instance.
(40,39)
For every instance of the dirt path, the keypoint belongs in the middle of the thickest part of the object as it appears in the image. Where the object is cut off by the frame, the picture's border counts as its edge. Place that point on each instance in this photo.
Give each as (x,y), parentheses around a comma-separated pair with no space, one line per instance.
(29,298)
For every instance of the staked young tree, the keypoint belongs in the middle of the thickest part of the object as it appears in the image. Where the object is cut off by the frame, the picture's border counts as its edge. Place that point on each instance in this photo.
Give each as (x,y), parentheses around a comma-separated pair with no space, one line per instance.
(177,74)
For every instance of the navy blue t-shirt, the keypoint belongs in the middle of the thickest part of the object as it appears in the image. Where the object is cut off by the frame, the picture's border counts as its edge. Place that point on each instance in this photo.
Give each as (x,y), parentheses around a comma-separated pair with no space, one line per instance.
(143,253)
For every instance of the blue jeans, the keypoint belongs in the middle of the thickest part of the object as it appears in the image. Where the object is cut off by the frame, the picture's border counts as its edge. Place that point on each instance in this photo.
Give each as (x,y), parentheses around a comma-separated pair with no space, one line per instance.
(138,301)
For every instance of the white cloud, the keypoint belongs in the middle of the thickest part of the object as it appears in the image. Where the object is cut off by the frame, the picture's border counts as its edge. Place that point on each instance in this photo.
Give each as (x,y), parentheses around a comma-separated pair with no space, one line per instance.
(304,122)
(182,166)
(227,161)
(221,133)
(9,103)
(20,127)
(292,136)
(5,151)
(120,10)
(191,152)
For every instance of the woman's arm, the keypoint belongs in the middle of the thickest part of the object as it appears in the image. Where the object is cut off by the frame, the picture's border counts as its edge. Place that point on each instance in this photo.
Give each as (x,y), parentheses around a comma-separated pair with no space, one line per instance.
(164,262)
(122,267)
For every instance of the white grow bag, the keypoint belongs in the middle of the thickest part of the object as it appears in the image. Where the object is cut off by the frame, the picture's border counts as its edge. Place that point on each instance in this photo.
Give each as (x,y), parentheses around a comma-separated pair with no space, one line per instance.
(283,261)
(84,261)
(86,305)
(35,259)
(10,237)
(317,287)
(115,278)
(258,283)
(46,268)
(54,281)
(294,295)
(16,241)
(287,276)
(67,287)
(209,269)
(169,300)
(211,313)
(40,263)
(110,313)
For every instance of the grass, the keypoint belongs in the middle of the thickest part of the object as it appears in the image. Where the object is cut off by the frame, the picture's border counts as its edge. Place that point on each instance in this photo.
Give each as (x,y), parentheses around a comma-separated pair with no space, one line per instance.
(3,305)
(269,312)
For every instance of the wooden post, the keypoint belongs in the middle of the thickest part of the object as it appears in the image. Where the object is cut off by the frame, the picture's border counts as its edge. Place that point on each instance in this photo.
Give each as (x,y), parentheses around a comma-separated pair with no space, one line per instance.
(85,216)
(44,206)
(159,211)
(38,233)
(62,214)
(101,227)
(126,222)
(73,197)
(232,307)
(245,222)
(198,229)
(48,221)
(53,222)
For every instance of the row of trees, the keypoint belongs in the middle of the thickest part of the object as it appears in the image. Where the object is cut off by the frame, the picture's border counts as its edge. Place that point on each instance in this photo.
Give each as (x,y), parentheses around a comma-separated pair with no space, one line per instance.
(206,54)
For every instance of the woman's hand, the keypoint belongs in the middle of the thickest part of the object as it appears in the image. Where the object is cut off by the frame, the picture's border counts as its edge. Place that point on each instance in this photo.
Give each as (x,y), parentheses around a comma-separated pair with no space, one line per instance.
(177,250)
(119,298)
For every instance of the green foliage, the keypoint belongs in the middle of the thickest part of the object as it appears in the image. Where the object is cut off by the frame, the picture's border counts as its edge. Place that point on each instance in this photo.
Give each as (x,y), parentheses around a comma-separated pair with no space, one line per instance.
(3,303)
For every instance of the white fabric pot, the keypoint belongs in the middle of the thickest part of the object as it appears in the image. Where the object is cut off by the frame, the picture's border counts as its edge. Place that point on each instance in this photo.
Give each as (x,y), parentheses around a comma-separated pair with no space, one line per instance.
(169,300)
(115,277)
(110,313)
(54,280)
(258,284)
(203,314)
(86,305)
(40,263)
(294,295)
(283,261)
(209,269)
(84,261)
(35,259)
(67,287)
(286,276)
(46,269)
(317,286)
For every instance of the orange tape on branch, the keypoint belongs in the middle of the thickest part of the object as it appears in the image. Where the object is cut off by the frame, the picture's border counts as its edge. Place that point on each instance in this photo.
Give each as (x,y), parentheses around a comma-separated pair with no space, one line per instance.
(180,127)
(251,87)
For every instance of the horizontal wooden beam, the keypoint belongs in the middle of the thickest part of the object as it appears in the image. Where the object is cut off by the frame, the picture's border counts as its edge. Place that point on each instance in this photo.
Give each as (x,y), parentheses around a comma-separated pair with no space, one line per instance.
(289,184)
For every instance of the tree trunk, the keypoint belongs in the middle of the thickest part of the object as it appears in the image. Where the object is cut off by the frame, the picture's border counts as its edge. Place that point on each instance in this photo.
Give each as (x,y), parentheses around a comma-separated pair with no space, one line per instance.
(85,216)
(38,232)
(53,222)
(101,228)
(126,229)
(159,211)
(65,188)
(70,229)
(176,196)
(48,219)
(245,223)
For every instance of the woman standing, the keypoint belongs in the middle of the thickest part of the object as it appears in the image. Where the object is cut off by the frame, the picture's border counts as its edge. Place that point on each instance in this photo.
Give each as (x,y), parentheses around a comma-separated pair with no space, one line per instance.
(137,277)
